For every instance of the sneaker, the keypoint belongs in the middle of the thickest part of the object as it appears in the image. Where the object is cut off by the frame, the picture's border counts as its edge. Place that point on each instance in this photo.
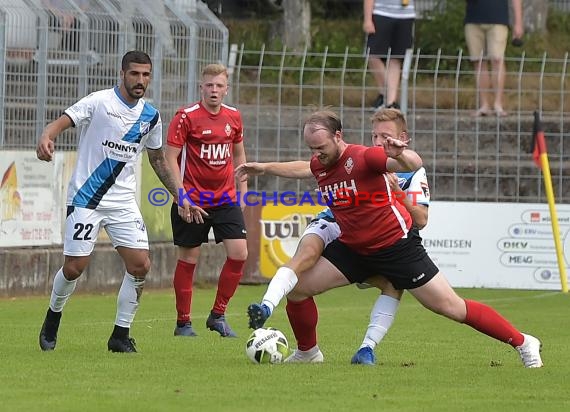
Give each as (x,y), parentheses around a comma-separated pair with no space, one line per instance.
(364,356)
(313,355)
(393,105)
(378,102)
(220,325)
(48,333)
(530,352)
(121,345)
(185,330)
(258,313)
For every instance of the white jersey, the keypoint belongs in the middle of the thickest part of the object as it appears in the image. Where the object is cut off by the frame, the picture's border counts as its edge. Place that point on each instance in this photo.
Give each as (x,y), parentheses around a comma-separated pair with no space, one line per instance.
(395,9)
(415,185)
(113,135)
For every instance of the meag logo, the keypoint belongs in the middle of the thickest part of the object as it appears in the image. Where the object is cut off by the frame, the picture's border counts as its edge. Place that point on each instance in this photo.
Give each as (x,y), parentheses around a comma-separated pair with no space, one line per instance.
(281,229)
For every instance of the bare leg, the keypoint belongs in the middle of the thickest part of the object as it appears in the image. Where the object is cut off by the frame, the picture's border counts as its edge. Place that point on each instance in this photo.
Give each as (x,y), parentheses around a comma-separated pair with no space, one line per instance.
(498,78)
(378,70)
(483,86)
(394,68)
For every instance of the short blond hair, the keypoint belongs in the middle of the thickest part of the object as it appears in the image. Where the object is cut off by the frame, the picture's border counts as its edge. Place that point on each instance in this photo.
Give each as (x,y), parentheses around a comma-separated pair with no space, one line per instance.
(391,115)
(215,69)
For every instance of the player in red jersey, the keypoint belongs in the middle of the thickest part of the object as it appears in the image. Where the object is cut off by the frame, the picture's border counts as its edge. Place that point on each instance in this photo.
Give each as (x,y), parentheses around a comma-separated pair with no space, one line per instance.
(377,239)
(205,143)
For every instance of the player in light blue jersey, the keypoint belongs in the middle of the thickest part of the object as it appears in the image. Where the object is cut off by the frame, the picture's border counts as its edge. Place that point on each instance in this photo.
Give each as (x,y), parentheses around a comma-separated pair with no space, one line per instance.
(115,125)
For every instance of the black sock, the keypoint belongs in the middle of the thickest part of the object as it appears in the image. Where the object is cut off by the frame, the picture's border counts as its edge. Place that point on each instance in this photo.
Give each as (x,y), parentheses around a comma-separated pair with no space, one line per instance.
(120,332)
(216,315)
(53,317)
(181,324)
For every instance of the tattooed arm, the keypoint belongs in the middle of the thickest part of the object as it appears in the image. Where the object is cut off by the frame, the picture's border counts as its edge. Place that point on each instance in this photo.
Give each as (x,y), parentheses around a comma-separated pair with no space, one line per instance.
(170,180)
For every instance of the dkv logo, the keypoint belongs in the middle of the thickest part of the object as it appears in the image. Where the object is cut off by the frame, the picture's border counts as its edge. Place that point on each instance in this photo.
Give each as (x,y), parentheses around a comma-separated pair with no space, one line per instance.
(281,229)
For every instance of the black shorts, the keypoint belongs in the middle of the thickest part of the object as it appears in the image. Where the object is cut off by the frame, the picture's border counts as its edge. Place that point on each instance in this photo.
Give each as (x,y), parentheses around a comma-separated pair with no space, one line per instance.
(396,35)
(226,220)
(405,264)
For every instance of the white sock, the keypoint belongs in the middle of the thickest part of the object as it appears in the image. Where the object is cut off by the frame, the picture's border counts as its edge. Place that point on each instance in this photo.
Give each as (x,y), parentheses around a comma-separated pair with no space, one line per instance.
(282,283)
(381,318)
(128,300)
(61,291)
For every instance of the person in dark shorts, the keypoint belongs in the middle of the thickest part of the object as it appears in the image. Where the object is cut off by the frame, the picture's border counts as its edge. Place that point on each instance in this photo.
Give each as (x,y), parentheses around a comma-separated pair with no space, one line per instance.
(389,25)
(205,143)
(377,239)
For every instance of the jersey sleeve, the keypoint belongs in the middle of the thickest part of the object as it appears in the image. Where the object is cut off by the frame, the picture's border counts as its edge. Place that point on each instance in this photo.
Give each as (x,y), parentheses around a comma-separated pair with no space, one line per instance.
(178,129)
(155,135)
(82,111)
(375,158)
(418,190)
(239,132)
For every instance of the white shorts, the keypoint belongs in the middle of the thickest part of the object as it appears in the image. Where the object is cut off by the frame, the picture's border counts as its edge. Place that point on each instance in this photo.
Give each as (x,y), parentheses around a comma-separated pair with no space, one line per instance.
(326,230)
(125,227)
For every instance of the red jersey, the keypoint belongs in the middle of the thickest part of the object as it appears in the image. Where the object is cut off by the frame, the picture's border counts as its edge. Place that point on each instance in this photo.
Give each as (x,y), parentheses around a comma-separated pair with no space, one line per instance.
(206,161)
(360,198)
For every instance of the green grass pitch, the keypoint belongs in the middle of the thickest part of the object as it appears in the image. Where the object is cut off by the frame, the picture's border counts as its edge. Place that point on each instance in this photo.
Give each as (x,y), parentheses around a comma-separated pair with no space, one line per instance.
(426,363)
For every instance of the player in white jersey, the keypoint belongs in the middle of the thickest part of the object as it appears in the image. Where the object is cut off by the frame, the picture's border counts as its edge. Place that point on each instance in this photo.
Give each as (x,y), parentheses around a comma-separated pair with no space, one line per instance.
(116,125)
(324,229)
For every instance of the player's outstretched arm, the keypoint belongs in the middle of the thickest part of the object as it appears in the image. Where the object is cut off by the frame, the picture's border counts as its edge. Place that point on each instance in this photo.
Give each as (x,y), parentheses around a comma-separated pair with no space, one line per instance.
(297,169)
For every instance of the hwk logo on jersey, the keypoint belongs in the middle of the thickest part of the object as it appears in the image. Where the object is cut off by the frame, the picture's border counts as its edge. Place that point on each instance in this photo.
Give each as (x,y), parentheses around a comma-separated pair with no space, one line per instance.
(228,129)
(215,153)
(144,128)
(349,165)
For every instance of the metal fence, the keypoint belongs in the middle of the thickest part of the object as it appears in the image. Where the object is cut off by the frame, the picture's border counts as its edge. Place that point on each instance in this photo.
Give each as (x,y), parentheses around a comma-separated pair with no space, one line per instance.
(467,158)
(51,57)
(44,69)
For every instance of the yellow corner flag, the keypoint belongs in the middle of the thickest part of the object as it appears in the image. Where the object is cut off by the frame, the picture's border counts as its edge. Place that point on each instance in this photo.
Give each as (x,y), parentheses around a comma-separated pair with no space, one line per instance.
(540,157)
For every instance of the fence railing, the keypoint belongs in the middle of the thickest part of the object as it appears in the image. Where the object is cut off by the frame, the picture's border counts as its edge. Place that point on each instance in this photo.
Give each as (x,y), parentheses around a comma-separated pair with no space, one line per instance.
(43,70)
(467,158)
(47,64)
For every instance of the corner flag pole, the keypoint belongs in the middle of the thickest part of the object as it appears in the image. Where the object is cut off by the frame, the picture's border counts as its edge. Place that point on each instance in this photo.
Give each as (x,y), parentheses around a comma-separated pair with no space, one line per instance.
(540,157)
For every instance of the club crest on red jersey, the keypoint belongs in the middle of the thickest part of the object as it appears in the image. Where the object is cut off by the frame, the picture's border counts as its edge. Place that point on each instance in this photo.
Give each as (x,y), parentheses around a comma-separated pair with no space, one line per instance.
(228,129)
(348,165)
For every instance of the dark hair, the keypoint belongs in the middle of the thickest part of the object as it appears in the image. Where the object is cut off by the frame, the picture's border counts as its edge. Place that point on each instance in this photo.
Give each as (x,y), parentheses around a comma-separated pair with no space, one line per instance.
(135,56)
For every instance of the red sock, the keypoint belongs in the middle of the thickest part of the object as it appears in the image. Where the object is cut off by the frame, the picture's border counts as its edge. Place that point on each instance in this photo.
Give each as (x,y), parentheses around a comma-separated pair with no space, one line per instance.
(183,278)
(486,320)
(227,284)
(303,317)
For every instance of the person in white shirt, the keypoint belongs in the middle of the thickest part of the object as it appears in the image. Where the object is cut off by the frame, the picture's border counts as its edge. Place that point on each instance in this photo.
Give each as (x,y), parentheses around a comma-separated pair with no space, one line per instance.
(116,125)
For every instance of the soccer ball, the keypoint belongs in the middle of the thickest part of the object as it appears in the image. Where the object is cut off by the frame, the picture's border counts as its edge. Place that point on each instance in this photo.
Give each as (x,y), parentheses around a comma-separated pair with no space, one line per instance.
(267,345)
